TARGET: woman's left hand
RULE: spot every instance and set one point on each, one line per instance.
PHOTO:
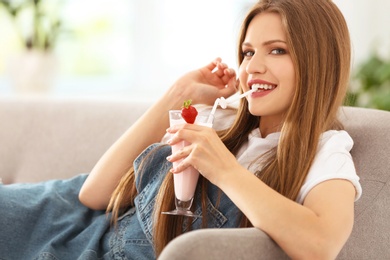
(206, 153)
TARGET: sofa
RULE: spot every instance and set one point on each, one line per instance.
(45, 138)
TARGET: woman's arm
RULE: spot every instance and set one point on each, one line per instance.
(202, 86)
(316, 230)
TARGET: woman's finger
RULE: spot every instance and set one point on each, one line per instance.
(180, 154)
(188, 132)
(192, 127)
(184, 164)
(221, 67)
(229, 76)
(212, 65)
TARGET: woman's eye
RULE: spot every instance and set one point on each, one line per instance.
(248, 53)
(278, 51)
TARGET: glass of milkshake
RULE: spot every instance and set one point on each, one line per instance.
(185, 182)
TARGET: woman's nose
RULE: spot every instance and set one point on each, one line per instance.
(256, 65)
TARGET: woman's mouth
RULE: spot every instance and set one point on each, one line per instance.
(263, 87)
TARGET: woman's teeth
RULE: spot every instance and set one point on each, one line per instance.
(262, 87)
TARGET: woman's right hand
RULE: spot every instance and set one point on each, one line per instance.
(208, 83)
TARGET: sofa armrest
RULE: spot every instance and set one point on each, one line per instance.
(232, 243)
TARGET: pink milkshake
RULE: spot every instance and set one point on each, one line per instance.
(185, 181)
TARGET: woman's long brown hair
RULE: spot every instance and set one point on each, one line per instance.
(319, 45)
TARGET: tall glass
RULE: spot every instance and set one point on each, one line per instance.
(185, 182)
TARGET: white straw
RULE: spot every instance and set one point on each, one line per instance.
(224, 102)
(211, 116)
(235, 98)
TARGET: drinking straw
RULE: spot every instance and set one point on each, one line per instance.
(222, 102)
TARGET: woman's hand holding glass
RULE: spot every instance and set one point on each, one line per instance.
(206, 153)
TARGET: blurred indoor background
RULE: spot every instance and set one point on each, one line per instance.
(137, 48)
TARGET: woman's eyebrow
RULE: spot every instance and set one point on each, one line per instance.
(248, 44)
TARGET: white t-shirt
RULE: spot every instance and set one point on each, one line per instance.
(333, 159)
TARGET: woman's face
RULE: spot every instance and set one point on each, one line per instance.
(267, 63)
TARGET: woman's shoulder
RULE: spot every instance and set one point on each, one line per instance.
(333, 161)
(335, 141)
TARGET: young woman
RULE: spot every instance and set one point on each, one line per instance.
(282, 165)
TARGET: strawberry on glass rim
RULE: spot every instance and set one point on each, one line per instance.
(188, 112)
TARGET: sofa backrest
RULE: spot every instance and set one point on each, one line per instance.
(56, 138)
(370, 130)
